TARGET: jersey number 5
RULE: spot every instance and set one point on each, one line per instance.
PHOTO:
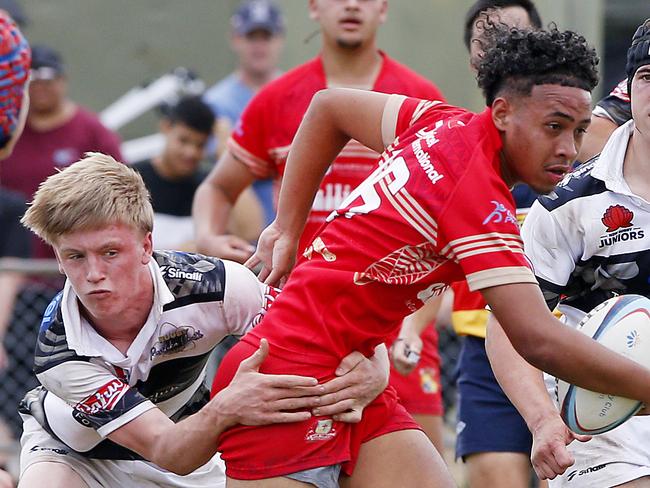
(398, 172)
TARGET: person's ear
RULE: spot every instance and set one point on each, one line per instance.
(501, 113)
(147, 248)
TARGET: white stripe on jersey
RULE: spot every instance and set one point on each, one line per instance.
(403, 203)
(477, 240)
(422, 107)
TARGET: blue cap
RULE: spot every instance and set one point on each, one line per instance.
(257, 15)
(47, 63)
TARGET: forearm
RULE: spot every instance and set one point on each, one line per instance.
(562, 351)
(521, 382)
(189, 444)
(418, 321)
(317, 143)
(210, 210)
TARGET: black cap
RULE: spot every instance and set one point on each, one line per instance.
(257, 15)
(639, 52)
(46, 63)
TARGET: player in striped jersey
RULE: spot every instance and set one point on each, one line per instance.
(121, 352)
(588, 240)
(436, 210)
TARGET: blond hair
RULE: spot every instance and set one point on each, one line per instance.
(93, 192)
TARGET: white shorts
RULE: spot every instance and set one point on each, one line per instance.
(618, 456)
(38, 446)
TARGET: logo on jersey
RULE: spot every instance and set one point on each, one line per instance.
(425, 162)
(103, 399)
(319, 247)
(590, 469)
(500, 214)
(432, 291)
(270, 294)
(322, 430)
(405, 266)
(330, 197)
(428, 381)
(200, 267)
(619, 228)
(178, 339)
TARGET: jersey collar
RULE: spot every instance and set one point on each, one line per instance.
(84, 339)
(609, 165)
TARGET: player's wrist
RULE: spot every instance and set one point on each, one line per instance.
(223, 416)
(540, 417)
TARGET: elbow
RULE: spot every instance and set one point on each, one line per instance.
(179, 465)
(536, 349)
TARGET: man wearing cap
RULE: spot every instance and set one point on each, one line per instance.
(258, 148)
(579, 263)
(58, 132)
(257, 39)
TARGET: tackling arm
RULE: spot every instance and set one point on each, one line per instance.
(251, 398)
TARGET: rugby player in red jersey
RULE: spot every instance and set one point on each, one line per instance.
(436, 210)
(258, 148)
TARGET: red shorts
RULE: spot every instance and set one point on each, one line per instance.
(266, 451)
(421, 391)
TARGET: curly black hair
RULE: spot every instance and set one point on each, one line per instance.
(518, 59)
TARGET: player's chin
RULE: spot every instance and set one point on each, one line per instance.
(543, 184)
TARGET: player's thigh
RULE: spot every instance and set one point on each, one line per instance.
(52, 475)
(502, 469)
(279, 482)
(405, 458)
(637, 483)
(432, 425)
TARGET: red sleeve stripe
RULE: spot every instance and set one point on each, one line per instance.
(257, 166)
(498, 239)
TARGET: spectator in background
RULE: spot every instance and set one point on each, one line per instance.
(58, 132)
(257, 39)
(174, 175)
(259, 146)
(15, 243)
(15, 59)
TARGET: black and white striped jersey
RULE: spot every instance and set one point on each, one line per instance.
(590, 238)
(90, 388)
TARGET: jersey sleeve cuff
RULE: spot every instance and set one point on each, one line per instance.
(389, 119)
(106, 429)
(258, 166)
(500, 276)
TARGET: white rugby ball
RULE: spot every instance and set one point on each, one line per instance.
(621, 324)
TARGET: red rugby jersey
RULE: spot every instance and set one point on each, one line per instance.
(435, 210)
(264, 134)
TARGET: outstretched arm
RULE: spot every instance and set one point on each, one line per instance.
(524, 386)
(562, 351)
(334, 117)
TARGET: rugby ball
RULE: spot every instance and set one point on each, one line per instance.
(621, 324)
